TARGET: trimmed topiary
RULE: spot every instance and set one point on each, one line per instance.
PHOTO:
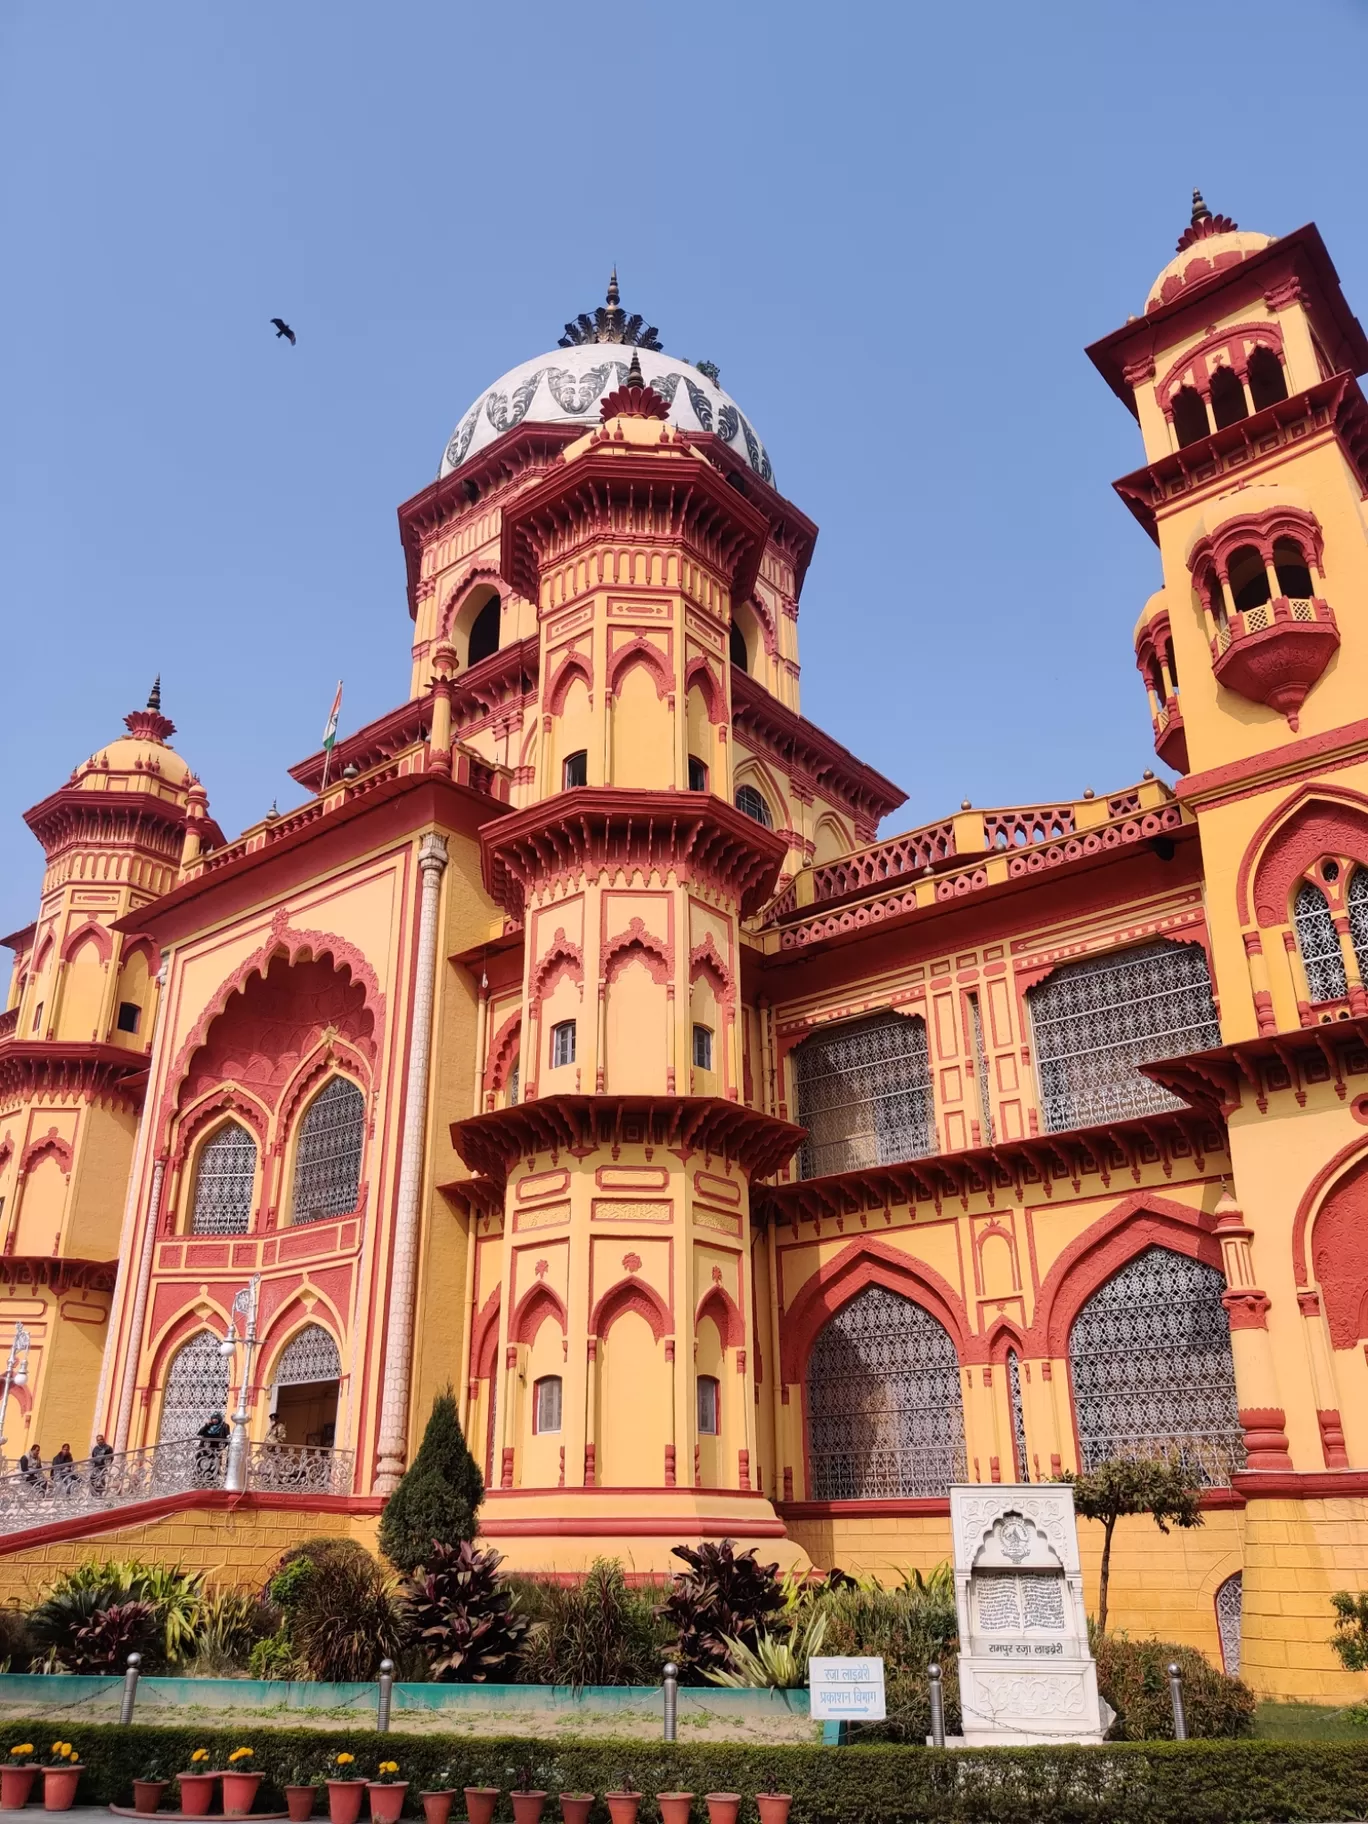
(1133, 1677)
(439, 1495)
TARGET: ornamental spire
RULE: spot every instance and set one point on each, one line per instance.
(610, 323)
(1203, 224)
(154, 695)
(635, 398)
(150, 724)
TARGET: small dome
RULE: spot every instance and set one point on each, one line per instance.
(1209, 244)
(568, 385)
(142, 750)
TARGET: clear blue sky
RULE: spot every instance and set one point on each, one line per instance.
(894, 227)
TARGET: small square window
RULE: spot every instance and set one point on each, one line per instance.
(562, 1044)
(698, 774)
(702, 1047)
(575, 771)
(130, 1016)
(546, 1404)
(709, 1406)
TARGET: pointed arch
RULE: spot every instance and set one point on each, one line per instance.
(1001, 1337)
(297, 1328)
(1314, 820)
(862, 1263)
(573, 665)
(91, 932)
(531, 1311)
(718, 1304)
(144, 947)
(477, 576)
(502, 1051)
(632, 1295)
(330, 1058)
(640, 651)
(192, 1376)
(635, 943)
(328, 1150)
(562, 958)
(706, 959)
(51, 1146)
(232, 1101)
(484, 1338)
(699, 671)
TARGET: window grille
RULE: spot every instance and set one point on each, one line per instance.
(864, 1095)
(981, 1065)
(562, 1044)
(513, 1083)
(327, 1179)
(311, 1356)
(1319, 943)
(1018, 1416)
(546, 1404)
(1095, 1021)
(196, 1388)
(702, 1047)
(1357, 899)
(885, 1414)
(753, 805)
(1229, 1621)
(709, 1406)
(224, 1178)
(1152, 1370)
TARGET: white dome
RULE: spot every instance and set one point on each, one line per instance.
(567, 386)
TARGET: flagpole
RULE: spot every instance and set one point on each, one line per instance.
(330, 737)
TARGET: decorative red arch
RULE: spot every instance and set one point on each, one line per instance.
(1344, 1162)
(1339, 1244)
(503, 1051)
(331, 1058)
(639, 651)
(699, 671)
(1000, 1336)
(705, 959)
(563, 958)
(141, 946)
(51, 1146)
(862, 1263)
(1139, 1221)
(228, 1103)
(91, 932)
(573, 665)
(718, 1304)
(631, 1295)
(1315, 820)
(1238, 341)
(532, 1310)
(294, 1317)
(174, 1338)
(460, 593)
(484, 1339)
(634, 944)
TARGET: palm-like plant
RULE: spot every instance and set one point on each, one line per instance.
(777, 1660)
(724, 1595)
(86, 1631)
(463, 1614)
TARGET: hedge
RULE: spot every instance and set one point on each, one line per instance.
(1124, 1782)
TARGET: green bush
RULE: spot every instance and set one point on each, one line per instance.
(724, 1595)
(1121, 1783)
(594, 1631)
(909, 1628)
(175, 1597)
(463, 1616)
(340, 1611)
(1350, 1638)
(1133, 1677)
(439, 1494)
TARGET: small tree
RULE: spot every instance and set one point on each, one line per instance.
(1350, 1638)
(439, 1495)
(1169, 1493)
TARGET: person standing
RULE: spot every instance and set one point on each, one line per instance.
(64, 1470)
(101, 1451)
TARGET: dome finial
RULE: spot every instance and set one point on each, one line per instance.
(635, 377)
(613, 299)
(1203, 224)
(154, 695)
(610, 323)
(1200, 212)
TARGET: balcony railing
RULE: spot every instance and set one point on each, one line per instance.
(1282, 609)
(189, 1466)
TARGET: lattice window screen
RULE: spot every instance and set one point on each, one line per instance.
(196, 1388)
(981, 1066)
(224, 1178)
(1318, 941)
(328, 1163)
(1357, 898)
(864, 1095)
(1152, 1370)
(310, 1356)
(1229, 1621)
(1023, 1468)
(885, 1414)
(1095, 1021)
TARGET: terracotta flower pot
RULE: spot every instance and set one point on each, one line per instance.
(386, 1799)
(299, 1802)
(239, 1792)
(436, 1806)
(196, 1793)
(527, 1807)
(344, 1800)
(623, 1806)
(723, 1807)
(774, 1806)
(674, 1807)
(147, 1794)
(480, 1803)
(16, 1783)
(576, 1806)
(59, 1786)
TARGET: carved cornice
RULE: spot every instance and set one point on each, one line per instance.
(92, 1073)
(60, 1275)
(1218, 1081)
(799, 746)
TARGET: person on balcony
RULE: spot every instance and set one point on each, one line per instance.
(64, 1471)
(214, 1435)
(277, 1434)
(100, 1453)
(31, 1467)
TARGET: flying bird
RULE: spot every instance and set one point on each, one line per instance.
(282, 328)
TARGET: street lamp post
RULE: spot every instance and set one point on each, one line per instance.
(16, 1375)
(244, 1306)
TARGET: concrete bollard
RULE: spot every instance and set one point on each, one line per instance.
(933, 1675)
(384, 1697)
(130, 1690)
(1175, 1675)
(671, 1700)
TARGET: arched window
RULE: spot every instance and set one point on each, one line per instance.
(1248, 578)
(885, 1413)
(196, 1388)
(1095, 1021)
(1318, 941)
(327, 1177)
(1023, 1471)
(1229, 1621)
(305, 1388)
(484, 632)
(698, 774)
(739, 656)
(307, 1358)
(864, 1095)
(1293, 571)
(1267, 381)
(546, 1403)
(753, 805)
(1152, 1370)
(709, 1406)
(1190, 421)
(1227, 397)
(224, 1177)
(1357, 902)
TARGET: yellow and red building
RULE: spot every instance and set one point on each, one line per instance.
(579, 1043)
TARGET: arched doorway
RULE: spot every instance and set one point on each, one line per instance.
(196, 1388)
(305, 1388)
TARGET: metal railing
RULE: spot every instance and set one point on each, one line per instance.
(67, 1491)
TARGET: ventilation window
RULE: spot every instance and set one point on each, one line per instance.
(698, 774)
(130, 1016)
(562, 1044)
(575, 771)
(702, 1047)
(484, 633)
(546, 1404)
(1190, 422)
(1267, 381)
(753, 805)
(739, 656)
(709, 1406)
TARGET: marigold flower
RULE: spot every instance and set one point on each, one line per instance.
(200, 1754)
(389, 1766)
(345, 1760)
(22, 1748)
(239, 1754)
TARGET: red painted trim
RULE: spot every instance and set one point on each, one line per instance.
(140, 1513)
(561, 1527)
(718, 1304)
(96, 932)
(1307, 752)
(536, 1305)
(1311, 1200)
(935, 1507)
(1300, 1485)
(1316, 820)
(631, 1295)
(863, 1263)
(484, 1342)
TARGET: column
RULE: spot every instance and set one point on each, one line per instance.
(393, 1445)
(1262, 1417)
(1328, 1420)
(139, 1316)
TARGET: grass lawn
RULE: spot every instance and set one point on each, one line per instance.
(1283, 1722)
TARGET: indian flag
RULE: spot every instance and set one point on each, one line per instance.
(330, 732)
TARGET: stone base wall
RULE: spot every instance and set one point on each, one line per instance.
(1296, 1554)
